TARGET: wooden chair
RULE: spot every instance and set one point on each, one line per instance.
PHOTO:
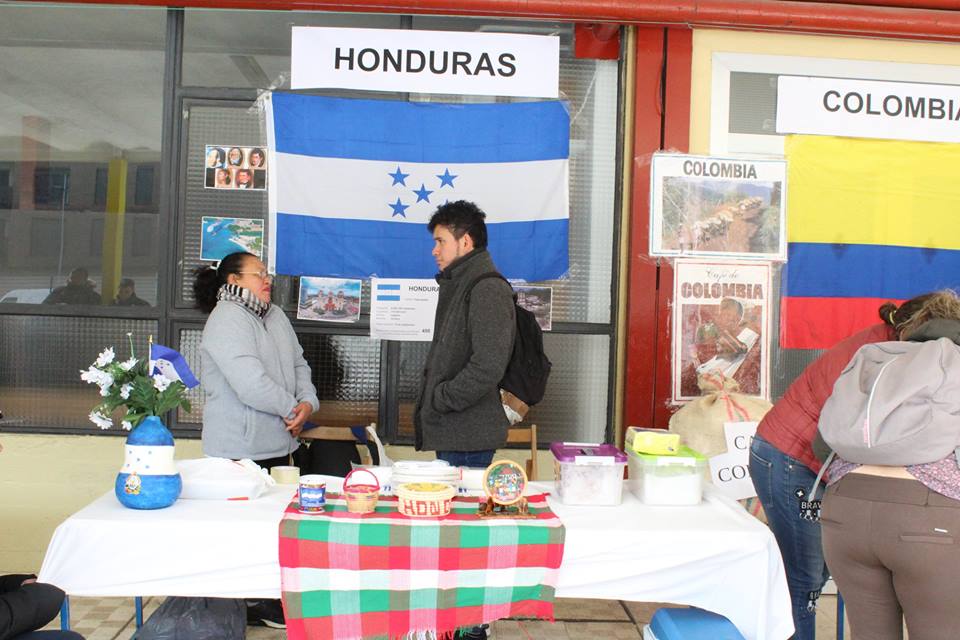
(339, 434)
(526, 435)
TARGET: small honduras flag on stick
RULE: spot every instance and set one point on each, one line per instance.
(172, 365)
(354, 182)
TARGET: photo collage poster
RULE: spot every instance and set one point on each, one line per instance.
(233, 167)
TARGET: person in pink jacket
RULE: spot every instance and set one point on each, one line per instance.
(783, 466)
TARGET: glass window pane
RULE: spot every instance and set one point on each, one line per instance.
(222, 47)
(576, 402)
(247, 49)
(238, 126)
(346, 373)
(80, 117)
(590, 88)
(40, 389)
(753, 103)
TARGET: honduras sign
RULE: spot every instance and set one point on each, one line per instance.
(497, 64)
(354, 182)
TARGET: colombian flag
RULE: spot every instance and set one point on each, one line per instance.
(868, 221)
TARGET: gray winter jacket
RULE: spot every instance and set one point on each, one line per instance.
(254, 374)
(459, 408)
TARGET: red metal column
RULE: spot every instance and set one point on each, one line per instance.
(676, 137)
(642, 271)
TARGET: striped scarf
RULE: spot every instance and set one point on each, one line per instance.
(245, 297)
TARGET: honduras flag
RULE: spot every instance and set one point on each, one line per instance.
(354, 182)
(172, 365)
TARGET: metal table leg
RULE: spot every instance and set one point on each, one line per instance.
(65, 614)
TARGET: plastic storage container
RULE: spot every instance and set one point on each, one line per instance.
(667, 480)
(690, 624)
(588, 474)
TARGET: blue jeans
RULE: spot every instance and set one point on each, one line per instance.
(783, 484)
(478, 459)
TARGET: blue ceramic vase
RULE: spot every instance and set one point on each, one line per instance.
(149, 478)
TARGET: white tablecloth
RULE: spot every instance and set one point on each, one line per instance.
(713, 555)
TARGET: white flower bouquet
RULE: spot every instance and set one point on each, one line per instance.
(132, 384)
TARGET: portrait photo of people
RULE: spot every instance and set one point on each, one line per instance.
(223, 179)
(258, 158)
(235, 157)
(243, 179)
(235, 167)
(216, 157)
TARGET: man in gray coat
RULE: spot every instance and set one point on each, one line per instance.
(459, 413)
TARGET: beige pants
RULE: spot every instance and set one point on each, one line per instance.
(893, 548)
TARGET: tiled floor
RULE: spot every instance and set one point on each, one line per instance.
(112, 618)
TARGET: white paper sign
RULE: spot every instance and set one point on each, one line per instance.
(868, 109)
(730, 471)
(403, 309)
(494, 64)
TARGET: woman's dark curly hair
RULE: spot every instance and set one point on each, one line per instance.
(208, 280)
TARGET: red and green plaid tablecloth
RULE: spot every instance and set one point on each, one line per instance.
(383, 575)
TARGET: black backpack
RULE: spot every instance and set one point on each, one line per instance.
(528, 369)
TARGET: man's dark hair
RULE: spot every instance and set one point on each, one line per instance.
(461, 217)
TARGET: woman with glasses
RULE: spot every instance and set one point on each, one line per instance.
(258, 386)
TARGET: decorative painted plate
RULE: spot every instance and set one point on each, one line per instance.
(504, 481)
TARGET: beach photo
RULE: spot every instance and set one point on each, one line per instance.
(220, 237)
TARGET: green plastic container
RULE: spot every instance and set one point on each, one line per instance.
(668, 479)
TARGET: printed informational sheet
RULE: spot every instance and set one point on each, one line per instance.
(402, 309)
(721, 207)
(329, 299)
(219, 237)
(538, 301)
(721, 325)
(730, 471)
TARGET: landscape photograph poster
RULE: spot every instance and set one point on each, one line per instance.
(718, 207)
(721, 325)
(329, 299)
(221, 236)
(538, 301)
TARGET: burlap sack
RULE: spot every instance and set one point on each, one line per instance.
(700, 421)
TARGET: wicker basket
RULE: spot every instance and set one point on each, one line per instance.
(361, 498)
(425, 499)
